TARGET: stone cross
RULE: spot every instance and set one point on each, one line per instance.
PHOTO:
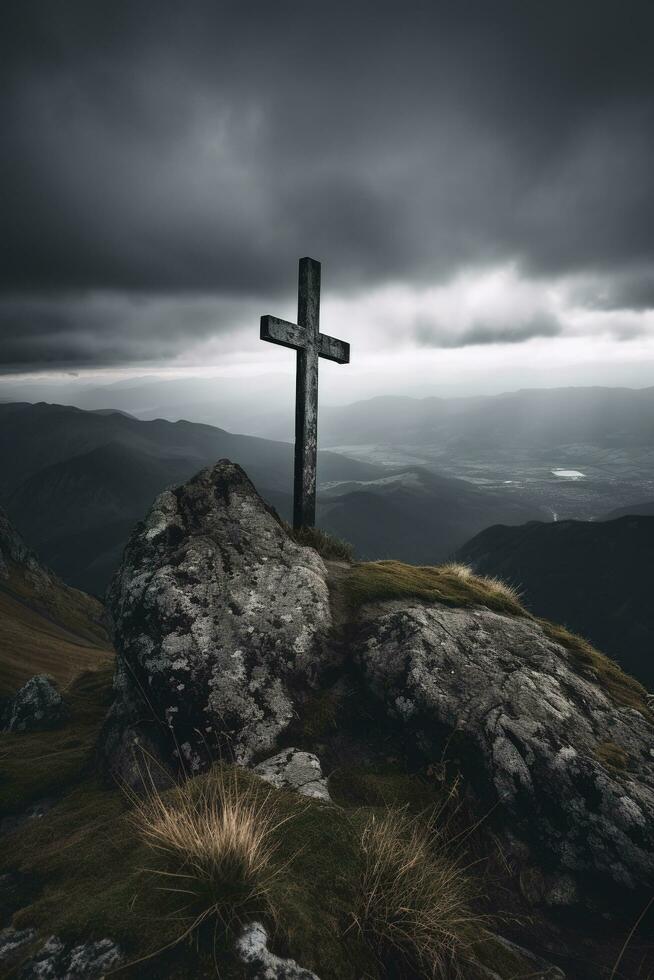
(305, 338)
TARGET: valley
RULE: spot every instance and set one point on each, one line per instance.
(611, 478)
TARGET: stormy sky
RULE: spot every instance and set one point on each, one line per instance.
(476, 178)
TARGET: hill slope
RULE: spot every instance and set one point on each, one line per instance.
(593, 577)
(45, 626)
(645, 509)
(415, 515)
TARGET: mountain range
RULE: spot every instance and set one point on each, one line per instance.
(75, 482)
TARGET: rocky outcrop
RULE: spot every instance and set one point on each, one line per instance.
(220, 622)
(14, 549)
(36, 707)
(223, 628)
(295, 770)
(261, 964)
(530, 729)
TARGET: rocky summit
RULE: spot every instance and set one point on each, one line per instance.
(219, 617)
(225, 628)
(300, 765)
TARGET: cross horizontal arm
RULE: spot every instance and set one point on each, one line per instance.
(282, 332)
(333, 349)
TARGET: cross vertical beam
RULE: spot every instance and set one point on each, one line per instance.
(305, 338)
(306, 396)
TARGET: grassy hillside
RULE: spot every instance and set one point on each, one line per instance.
(46, 627)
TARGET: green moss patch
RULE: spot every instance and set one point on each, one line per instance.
(379, 581)
(357, 787)
(98, 878)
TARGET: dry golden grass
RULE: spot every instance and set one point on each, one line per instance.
(415, 896)
(217, 841)
(453, 584)
(47, 629)
(495, 586)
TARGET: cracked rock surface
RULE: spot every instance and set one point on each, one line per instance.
(531, 723)
(218, 617)
(296, 770)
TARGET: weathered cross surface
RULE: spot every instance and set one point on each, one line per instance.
(305, 338)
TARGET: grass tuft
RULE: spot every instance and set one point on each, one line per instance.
(415, 897)
(327, 546)
(453, 584)
(216, 840)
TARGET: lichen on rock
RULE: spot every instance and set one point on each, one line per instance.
(218, 618)
(261, 963)
(37, 706)
(528, 723)
(295, 770)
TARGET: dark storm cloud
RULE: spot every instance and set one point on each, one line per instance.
(170, 148)
(437, 334)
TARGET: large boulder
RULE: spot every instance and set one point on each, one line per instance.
(567, 769)
(220, 622)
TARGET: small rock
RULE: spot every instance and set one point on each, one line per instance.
(87, 961)
(36, 707)
(252, 949)
(12, 940)
(296, 770)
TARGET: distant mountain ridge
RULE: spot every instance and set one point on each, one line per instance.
(593, 577)
(532, 418)
(76, 482)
